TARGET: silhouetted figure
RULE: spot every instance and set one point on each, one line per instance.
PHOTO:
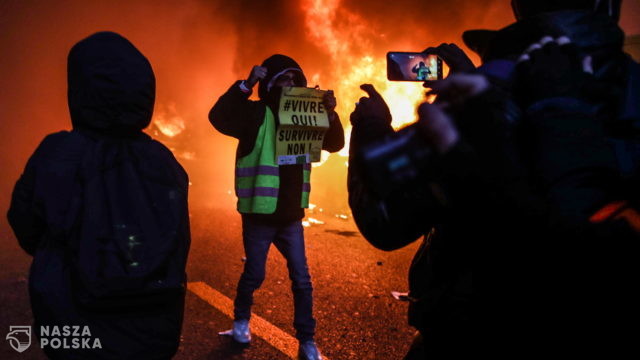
(532, 174)
(422, 71)
(103, 210)
(580, 139)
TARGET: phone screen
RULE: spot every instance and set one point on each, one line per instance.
(412, 66)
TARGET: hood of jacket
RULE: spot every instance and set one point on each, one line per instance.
(594, 34)
(277, 65)
(111, 85)
(525, 8)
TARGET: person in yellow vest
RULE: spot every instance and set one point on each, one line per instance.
(271, 197)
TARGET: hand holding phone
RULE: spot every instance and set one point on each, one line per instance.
(457, 88)
(413, 66)
(453, 56)
(372, 108)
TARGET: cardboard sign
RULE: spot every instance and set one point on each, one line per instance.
(303, 122)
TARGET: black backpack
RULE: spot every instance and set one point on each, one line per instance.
(130, 239)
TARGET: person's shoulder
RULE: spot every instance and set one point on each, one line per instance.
(160, 148)
(158, 152)
(152, 146)
(58, 150)
(58, 140)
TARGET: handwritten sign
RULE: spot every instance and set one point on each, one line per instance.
(303, 122)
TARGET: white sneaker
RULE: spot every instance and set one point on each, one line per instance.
(308, 350)
(241, 332)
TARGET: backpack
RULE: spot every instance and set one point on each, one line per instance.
(129, 243)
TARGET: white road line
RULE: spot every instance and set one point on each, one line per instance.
(279, 339)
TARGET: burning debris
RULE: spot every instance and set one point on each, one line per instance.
(187, 155)
(167, 121)
(400, 296)
(313, 208)
(312, 221)
(170, 128)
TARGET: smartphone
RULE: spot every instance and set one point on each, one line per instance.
(413, 66)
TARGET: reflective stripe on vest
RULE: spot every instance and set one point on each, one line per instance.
(306, 185)
(258, 175)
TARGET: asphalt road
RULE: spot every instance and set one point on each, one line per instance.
(357, 316)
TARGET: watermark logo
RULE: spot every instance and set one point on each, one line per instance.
(68, 337)
(19, 337)
(55, 337)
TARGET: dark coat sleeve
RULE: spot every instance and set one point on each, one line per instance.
(26, 216)
(334, 137)
(394, 221)
(390, 223)
(41, 196)
(455, 183)
(235, 115)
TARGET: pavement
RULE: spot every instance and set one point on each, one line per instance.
(357, 316)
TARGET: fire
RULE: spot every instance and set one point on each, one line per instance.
(350, 49)
(168, 121)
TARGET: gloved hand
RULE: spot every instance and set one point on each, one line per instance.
(257, 73)
(372, 108)
(329, 101)
(453, 56)
(457, 88)
(552, 68)
(437, 127)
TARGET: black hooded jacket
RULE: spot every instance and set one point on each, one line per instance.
(594, 34)
(554, 277)
(111, 86)
(578, 277)
(235, 115)
(111, 93)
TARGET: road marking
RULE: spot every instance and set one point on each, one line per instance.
(260, 327)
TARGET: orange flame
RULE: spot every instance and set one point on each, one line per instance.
(350, 49)
(168, 121)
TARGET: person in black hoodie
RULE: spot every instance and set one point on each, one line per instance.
(579, 139)
(271, 198)
(103, 210)
(531, 183)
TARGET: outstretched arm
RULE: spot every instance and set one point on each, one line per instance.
(234, 114)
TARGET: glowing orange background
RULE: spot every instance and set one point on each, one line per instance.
(198, 48)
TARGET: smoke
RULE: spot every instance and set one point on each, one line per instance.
(197, 49)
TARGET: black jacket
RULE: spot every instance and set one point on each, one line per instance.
(237, 116)
(542, 258)
(448, 206)
(111, 98)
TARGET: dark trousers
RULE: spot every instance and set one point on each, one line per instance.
(289, 240)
